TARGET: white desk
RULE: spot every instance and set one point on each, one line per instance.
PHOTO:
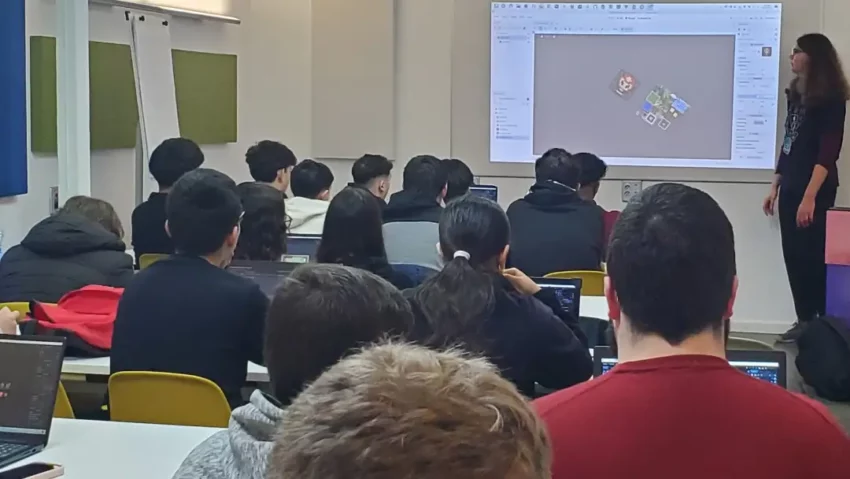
(109, 450)
(591, 306)
(100, 367)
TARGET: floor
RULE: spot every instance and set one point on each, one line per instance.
(841, 411)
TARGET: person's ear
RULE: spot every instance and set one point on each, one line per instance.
(503, 257)
(232, 238)
(730, 307)
(325, 195)
(613, 301)
(444, 191)
(167, 229)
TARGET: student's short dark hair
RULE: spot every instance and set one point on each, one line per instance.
(173, 158)
(322, 313)
(671, 261)
(459, 178)
(267, 158)
(310, 178)
(426, 175)
(593, 169)
(202, 208)
(558, 165)
(369, 167)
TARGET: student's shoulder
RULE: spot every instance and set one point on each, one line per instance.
(574, 399)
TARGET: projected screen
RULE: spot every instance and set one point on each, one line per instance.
(674, 85)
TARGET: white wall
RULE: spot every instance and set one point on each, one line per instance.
(273, 45)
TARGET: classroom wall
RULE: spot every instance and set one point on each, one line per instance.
(273, 45)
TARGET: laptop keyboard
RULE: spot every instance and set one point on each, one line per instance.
(7, 449)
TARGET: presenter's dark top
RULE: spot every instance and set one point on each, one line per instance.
(149, 235)
(184, 315)
(813, 136)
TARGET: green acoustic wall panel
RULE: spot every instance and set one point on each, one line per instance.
(205, 86)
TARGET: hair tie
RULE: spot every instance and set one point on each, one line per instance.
(461, 254)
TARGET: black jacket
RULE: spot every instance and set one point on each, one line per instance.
(553, 229)
(411, 229)
(381, 202)
(60, 254)
(380, 267)
(410, 206)
(149, 235)
(184, 315)
(530, 339)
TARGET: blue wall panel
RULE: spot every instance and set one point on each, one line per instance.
(13, 103)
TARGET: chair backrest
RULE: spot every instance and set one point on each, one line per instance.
(21, 307)
(148, 259)
(747, 344)
(592, 282)
(166, 398)
(416, 272)
(62, 408)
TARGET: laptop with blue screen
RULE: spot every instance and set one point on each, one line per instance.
(29, 379)
(768, 366)
(302, 245)
(485, 191)
(568, 292)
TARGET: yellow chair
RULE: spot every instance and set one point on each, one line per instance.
(592, 282)
(62, 408)
(21, 307)
(166, 398)
(146, 260)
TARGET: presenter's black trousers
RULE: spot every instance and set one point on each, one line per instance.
(804, 250)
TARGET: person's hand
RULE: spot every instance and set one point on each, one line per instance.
(520, 281)
(806, 212)
(769, 205)
(8, 321)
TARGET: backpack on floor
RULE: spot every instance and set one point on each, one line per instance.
(824, 359)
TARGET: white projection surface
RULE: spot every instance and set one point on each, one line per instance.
(660, 85)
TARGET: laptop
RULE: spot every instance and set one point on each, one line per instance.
(768, 366)
(267, 274)
(302, 245)
(490, 192)
(568, 292)
(29, 381)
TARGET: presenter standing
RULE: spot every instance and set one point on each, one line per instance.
(806, 177)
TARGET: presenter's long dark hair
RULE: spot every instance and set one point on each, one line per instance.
(823, 78)
(457, 300)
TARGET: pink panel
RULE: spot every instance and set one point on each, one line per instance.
(838, 237)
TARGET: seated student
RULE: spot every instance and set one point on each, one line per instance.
(320, 314)
(373, 172)
(459, 178)
(262, 235)
(401, 411)
(311, 190)
(553, 229)
(593, 170)
(186, 314)
(477, 304)
(674, 407)
(271, 163)
(79, 246)
(411, 217)
(353, 236)
(169, 161)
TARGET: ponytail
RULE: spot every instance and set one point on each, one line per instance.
(455, 302)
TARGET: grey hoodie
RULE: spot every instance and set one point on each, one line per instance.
(242, 451)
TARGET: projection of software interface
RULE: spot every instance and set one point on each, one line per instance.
(663, 85)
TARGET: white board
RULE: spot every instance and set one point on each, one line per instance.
(155, 93)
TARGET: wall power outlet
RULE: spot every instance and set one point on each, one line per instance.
(630, 189)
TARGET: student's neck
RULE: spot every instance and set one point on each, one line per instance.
(164, 190)
(218, 259)
(277, 186)
(644, 347)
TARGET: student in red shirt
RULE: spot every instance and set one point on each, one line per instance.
(673, 407)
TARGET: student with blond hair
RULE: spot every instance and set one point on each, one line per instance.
(399, 411)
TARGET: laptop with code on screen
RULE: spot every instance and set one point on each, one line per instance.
(568, 292)
(29, 379)
(267, 274)
(768, 366)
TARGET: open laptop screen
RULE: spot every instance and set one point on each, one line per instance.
(768, 366)
(267, 274)
(29, 379)
(485, 191)
(568, 292)
(302, 245)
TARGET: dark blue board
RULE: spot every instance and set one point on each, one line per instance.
(13, 101)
